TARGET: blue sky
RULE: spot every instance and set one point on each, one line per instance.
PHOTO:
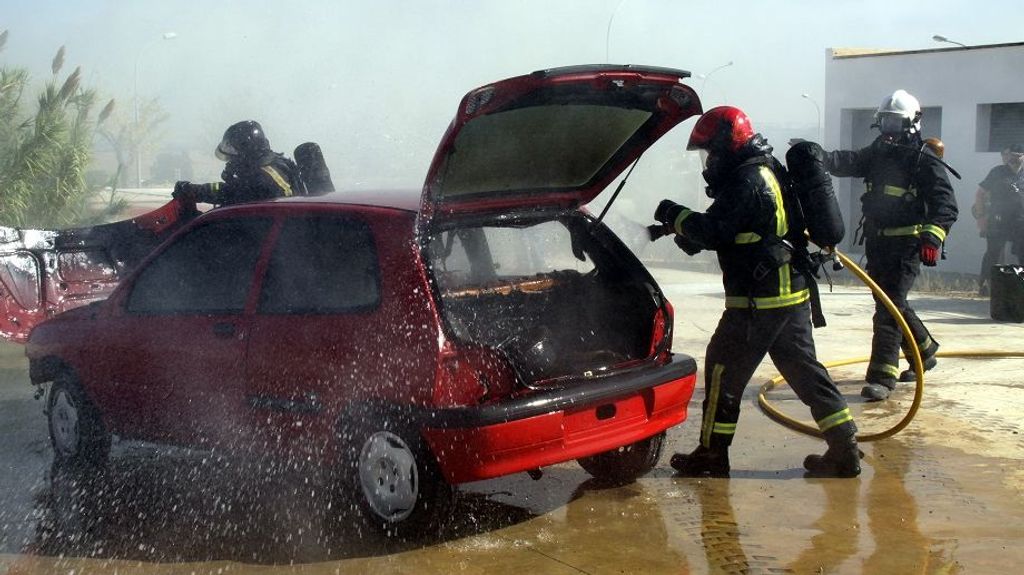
(376, 82)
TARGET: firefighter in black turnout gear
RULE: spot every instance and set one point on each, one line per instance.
(909, 207)
(253, 171)
(767, 310)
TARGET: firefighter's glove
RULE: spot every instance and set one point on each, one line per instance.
(688, 246)
(667, 212)
(658, 231)
(930, 248)
(186, 192)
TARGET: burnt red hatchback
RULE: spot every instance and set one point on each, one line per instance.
(410, 342)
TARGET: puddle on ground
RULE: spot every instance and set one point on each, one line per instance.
(918, 507)
(943, 496)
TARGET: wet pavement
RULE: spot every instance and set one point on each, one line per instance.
(942, 496)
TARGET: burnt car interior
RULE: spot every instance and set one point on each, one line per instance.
(552, 294)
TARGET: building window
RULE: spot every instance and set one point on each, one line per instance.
(1000, 125)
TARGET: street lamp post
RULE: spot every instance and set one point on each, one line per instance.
(704, 77)
(939, 38)
(608, 32)
(135, 104)
(817, 108)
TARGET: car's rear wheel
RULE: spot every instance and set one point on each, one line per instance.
(627, 463)
(394, 478)
(77, 433)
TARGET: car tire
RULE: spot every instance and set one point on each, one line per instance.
(627, 463)
(77, 433)
(392, 478)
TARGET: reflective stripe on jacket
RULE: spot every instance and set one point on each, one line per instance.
(907, 191)
(745, 225)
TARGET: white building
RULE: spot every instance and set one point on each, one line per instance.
(972, 98)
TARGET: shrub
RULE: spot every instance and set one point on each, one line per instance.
(45, 151)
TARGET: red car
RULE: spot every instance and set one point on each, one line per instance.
(487, 326)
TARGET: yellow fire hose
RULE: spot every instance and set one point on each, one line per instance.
(915, 353)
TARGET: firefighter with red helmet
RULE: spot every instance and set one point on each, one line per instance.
(767, 308)
(909, 207)
(252, 171)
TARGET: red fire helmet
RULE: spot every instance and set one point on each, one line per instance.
(721, 129)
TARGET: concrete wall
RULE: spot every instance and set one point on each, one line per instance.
(954, 80)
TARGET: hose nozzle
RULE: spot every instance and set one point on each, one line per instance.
(658, 231)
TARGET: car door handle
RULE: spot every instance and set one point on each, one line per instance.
(223, 329)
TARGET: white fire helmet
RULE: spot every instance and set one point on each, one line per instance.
(899, 113)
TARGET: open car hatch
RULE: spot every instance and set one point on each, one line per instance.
(553, 138)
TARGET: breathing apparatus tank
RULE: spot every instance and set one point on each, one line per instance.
(313, 169)
(805, 162)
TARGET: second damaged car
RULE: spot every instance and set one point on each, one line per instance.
(409, 342)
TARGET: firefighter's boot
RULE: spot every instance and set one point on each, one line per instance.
(878, 387)
(908, 375)
(842, 459)
(702, 462)
(928, 350)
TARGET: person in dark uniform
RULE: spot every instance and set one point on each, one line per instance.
(767, 308)
(253, 171)
(908, 208)
(999, 206)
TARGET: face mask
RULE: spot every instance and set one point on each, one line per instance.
(891, 124)
(711, 174)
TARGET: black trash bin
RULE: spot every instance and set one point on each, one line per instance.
(1007, 297)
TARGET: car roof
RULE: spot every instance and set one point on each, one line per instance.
(406, 200)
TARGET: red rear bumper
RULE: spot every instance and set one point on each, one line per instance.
(474, 453)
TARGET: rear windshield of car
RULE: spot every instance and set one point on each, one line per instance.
(474, 256)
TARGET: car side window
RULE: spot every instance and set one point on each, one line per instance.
(208, 270)
(322, 264)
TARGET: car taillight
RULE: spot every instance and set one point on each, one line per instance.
(661, 332)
